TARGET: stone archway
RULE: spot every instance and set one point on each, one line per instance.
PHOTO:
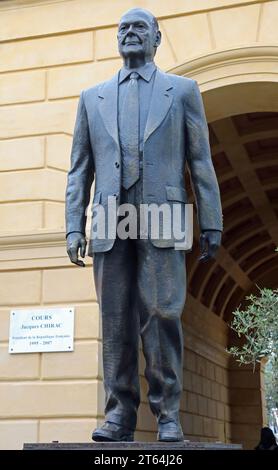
(239, 89)
(241, 102)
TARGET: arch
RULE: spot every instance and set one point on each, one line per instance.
(241, 70)
(235, 84)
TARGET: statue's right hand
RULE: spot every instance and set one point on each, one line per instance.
(75, 242)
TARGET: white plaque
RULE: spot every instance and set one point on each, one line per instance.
(41, 330)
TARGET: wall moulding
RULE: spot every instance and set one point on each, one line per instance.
(33, 250)
(235, 81)
(232, 65)
(10, 240)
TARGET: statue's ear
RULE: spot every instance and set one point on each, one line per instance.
(157, 39)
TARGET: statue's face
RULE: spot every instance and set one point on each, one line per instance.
(137, 35)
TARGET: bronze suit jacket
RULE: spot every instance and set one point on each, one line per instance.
(176, 138)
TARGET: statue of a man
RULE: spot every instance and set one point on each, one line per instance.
(135, 134)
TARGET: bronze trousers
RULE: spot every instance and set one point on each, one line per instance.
(141, 291)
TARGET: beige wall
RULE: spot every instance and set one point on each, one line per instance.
(49, 51)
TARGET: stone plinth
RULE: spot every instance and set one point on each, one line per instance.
(137, 446)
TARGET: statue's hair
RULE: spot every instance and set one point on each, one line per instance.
(153, 18)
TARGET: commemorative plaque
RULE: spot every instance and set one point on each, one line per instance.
(41, 330)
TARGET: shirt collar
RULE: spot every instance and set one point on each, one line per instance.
(145, 72)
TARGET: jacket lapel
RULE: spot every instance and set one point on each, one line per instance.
(108, 107)
(161, 102)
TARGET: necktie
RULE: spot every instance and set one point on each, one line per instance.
(130, 133)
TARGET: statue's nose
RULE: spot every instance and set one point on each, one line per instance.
(130, 30)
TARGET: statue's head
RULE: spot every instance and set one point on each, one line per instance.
(138, 34)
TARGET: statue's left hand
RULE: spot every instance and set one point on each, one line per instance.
(210, 241)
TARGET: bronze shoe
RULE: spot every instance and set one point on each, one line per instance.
(170, 431)
(112, 432)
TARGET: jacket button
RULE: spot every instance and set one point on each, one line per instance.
(117, 165)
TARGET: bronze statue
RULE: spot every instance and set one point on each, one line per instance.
(135, 135)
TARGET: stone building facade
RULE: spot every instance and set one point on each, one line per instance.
(49, 51)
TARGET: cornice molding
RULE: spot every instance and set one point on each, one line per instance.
(189, 9)
(13, 4)
(11, 241)
(218, 58)
(38, 250)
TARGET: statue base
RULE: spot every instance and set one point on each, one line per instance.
(136, 445)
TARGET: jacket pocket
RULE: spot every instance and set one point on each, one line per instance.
(176, 194)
